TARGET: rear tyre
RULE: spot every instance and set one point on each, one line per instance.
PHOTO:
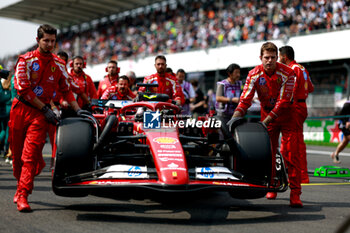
(252, 158)
(73, 154)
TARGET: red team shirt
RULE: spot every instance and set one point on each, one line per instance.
(112, 93)
(303, 84)
(275, 92)
(31, 80)
(106, 83)
(86, 86)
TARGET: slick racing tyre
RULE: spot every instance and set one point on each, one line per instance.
(73, 154)
(253, 157)
(254, 151)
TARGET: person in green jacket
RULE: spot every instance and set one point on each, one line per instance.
(6, 97)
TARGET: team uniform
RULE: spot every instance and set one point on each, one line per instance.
(105, 83)
(37, 75)
(86, 86)
(166, 85)
(112, 93)
(303, 86)
(275, 93)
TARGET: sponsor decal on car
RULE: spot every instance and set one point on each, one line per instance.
(135, 171)
(104, 182)
(214, 173)
(170, 155)
(173, 166)
(167, 146)
(125, 171)
(165, 140)
(207, 172)
(166, 159)
(169, 151)
(230, 184)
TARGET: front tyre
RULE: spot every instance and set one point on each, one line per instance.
(74, 143)
(252, 158)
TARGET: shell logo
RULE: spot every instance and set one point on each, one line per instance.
(165, 140)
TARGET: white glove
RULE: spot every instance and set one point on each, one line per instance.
(57, 112)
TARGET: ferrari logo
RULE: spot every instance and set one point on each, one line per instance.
(279, 80)
(174, 174)
(53, 68)
(167, 83)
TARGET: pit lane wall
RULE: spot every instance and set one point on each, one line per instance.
(322, 131)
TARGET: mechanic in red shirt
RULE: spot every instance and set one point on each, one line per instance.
(37, 75)
(167, 83)
(119, 91)
(113, 74)
(274, 83)
(84, 81)
(303, 86)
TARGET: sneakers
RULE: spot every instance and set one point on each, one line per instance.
(295, 201)
(271, 195)
(22, 202)
(335, 158)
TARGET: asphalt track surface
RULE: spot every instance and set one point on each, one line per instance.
(326, 208)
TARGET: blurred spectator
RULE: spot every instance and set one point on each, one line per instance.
(198, 106)
(188, 91)
(211, 100)
(191, 24)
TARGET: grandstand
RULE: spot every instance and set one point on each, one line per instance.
(202, 37)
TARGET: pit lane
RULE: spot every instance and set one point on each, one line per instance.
(326, 208)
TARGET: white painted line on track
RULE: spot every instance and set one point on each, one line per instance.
(326, 152)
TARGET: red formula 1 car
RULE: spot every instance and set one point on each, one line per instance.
(146, 146)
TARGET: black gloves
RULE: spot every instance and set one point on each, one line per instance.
(263, 124)
(50, 115)
(234, 122)
(83, 113)
(87, 107)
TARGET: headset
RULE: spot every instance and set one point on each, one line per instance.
(75, 57)
(114, 62)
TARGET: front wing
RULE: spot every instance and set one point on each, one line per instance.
(137, 177)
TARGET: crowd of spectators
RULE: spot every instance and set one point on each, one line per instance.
(185, 25)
